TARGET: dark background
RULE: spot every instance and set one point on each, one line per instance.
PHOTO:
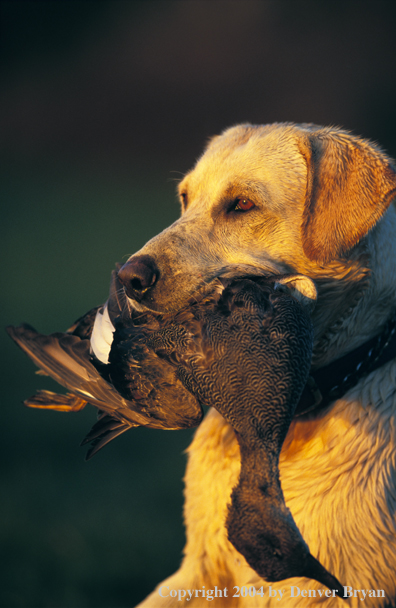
(103, 106)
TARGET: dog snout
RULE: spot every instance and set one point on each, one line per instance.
(138, 275)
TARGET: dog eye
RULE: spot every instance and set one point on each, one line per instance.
(243, 204)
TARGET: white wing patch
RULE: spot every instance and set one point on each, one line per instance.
(102, 335)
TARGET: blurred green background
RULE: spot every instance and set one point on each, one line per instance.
(103, 106)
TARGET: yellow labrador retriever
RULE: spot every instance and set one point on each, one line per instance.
(315, 201)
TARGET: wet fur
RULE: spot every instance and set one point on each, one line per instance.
(322, 208)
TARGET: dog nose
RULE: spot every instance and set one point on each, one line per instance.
(138, 275)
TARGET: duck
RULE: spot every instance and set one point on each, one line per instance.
(243, 346)
(136, 387)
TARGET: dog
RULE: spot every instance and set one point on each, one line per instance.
(317, 201)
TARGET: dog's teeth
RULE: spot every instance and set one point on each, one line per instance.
(102, 335)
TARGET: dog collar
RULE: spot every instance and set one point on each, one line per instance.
(331, 382)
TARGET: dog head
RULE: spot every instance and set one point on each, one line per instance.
(279, 198)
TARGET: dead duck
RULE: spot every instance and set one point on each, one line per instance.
(260, 340)
(244, 348)
(146, 390)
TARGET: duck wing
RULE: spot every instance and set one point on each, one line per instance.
(103, 431)
(66, 358)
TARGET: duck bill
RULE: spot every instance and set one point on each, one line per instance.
(314, 569)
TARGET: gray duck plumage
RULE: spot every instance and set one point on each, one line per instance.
(244, 348)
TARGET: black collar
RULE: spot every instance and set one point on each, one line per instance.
(332, 381)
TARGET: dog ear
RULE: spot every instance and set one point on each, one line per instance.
(300, 287)
(350, 185)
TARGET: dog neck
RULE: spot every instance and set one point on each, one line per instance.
(361, 292)
(331, 382)
(363, 336)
